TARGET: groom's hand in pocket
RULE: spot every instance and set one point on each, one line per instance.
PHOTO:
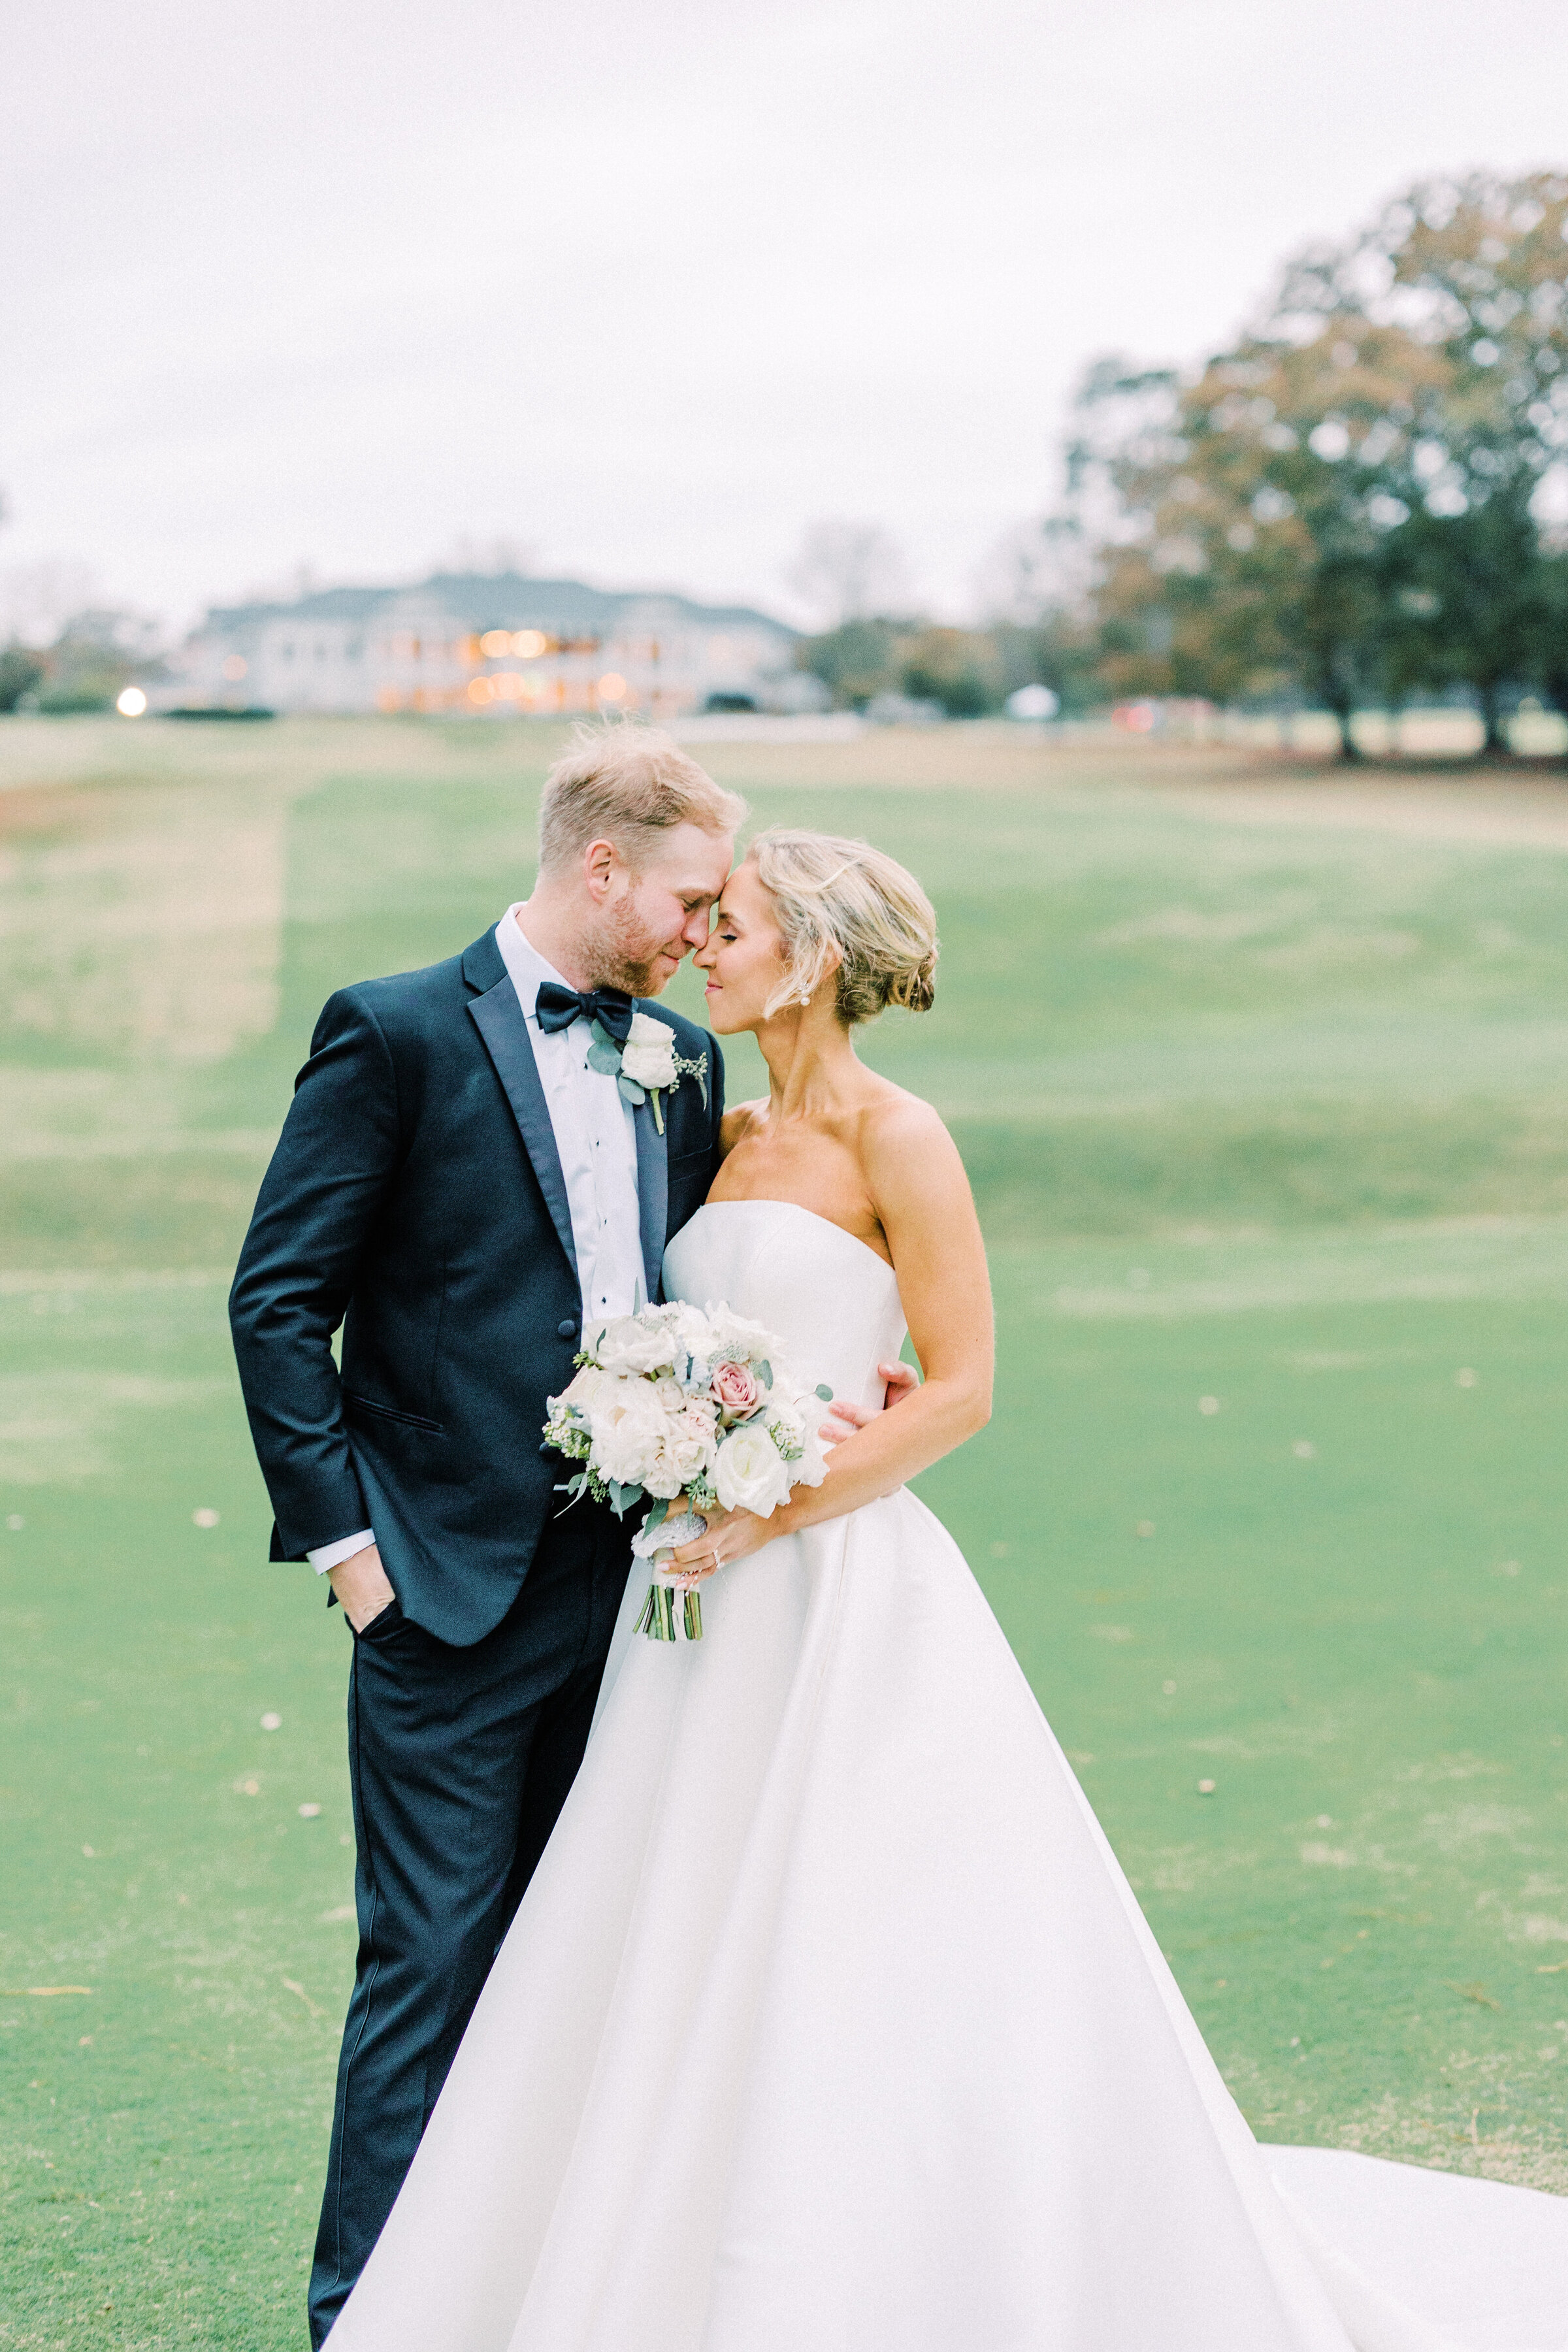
(845, 1418)
(362, 1587)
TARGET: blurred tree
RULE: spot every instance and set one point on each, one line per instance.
(855, 661)
(1060, 649)
(1476, 270)
(95, 654)
(1043, 627)
(20, 671)
(1467, 603)
(1550, 663)
(1251, 509)
(959, 668)
(1344, 506)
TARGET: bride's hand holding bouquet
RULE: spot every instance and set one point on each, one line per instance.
(697, 1409)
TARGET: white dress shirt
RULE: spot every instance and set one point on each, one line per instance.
(596, 1139)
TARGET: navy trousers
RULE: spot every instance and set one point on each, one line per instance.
(460, 1761)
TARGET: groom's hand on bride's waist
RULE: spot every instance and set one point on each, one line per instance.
(845, 1418)
(362, 1587)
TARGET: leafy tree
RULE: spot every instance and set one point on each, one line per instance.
(95, 654)
(1252, 505)
(855, 661)
(1475, 270)
(1344, 505)
(1059, 650)
(1466, 592)
(959, 668)
(20, 670)
(1550, 666)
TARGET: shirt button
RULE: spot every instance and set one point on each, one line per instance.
(567, 1327)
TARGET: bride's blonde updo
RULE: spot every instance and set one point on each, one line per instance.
(829, 893)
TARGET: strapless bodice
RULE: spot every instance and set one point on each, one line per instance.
(832, 1300)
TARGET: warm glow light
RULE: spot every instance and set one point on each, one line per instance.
(506, 683)
(480, 689)
(529, 644)
(494, 642)
(611, 687)
(235, 666)
(131, 703)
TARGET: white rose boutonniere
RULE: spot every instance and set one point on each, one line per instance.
(647, 1064)
(647, 1057)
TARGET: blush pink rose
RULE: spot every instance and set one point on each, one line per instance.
(735, 1389)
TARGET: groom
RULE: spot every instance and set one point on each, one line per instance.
(460, 1188)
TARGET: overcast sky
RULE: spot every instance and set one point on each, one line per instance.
(645, 286)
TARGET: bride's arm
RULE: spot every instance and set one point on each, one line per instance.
(921, 1195)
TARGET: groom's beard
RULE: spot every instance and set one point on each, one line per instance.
(622, 954)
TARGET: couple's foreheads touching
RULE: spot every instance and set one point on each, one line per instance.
(637, 871)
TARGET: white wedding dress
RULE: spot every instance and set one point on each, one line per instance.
(830, 2022)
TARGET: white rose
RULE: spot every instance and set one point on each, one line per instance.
(630, 1345)
(797, 1423)
(627, 1429)
(783, 1413)
(751, 1475)
(580, 1390)
(689, 1444)
(647, 1057)
(664, 1478)
(733, 1338)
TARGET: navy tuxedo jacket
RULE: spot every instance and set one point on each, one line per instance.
(416, 1197)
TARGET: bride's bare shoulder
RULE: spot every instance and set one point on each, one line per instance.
(738, 1123)
(900, 1132)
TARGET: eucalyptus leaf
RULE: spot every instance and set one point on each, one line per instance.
(657, 1516)
(765, 1372)
(630, 1090)
(622, 1498)
(825, 1392)
(604, 1055)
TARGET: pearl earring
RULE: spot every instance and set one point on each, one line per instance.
(805, 1000)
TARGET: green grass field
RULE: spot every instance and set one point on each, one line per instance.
(1264, 1090)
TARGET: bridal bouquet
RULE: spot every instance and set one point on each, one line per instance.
(686, 1404)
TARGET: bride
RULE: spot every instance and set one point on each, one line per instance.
(828, 2022)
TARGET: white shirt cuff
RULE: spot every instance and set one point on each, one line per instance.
(328, 1555)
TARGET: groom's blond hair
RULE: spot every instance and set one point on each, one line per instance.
(627, 783)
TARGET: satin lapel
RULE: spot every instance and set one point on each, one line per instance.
(499, 1017)
(653, 1187)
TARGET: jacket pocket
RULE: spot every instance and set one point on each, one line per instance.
(392, 1412)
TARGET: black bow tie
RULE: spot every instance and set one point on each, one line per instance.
(558, 1007)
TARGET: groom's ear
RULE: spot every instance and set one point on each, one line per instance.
(600, 860)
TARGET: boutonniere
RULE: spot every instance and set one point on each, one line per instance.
(647, 1064)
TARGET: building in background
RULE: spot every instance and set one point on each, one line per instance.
(495, 645)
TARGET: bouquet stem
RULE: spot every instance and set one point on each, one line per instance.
(657, 1616)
